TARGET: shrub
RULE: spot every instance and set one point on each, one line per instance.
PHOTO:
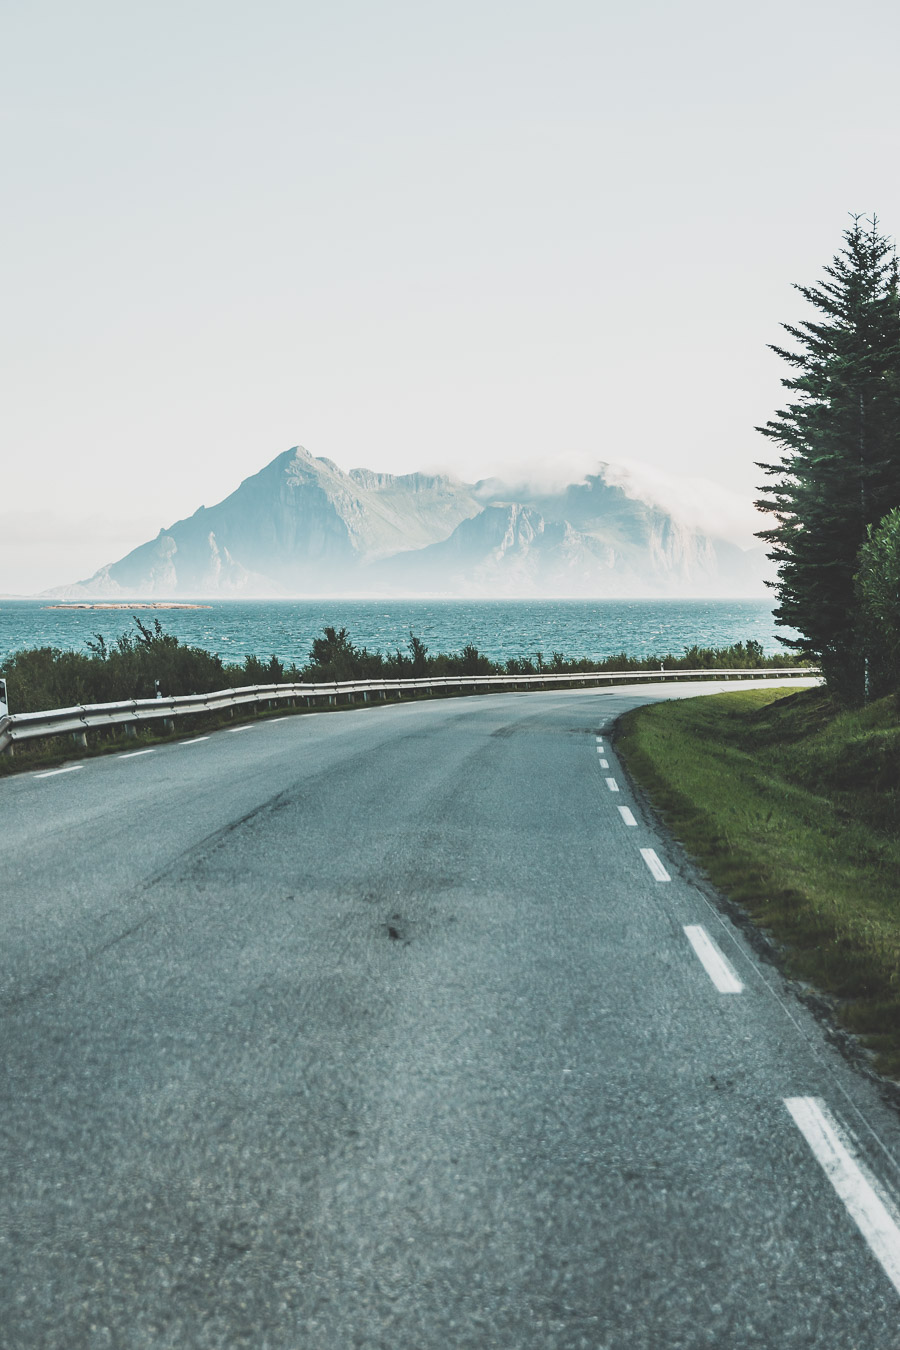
(878, 594)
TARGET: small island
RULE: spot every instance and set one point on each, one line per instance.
(134, 604)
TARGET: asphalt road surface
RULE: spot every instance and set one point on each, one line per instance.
(406, 1028)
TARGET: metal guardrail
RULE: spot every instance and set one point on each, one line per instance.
(19, 727)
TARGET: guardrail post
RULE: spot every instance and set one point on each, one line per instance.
(130, 730)
(169, 725)
(80, 738)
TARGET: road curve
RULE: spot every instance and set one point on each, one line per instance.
(405, 1028)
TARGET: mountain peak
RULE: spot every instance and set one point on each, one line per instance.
(304, 526)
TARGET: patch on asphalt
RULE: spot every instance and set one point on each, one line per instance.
(395, 929)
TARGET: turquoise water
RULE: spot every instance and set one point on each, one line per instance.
(499, 628)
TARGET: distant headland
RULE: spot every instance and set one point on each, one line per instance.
(303, 527)
(156, 604)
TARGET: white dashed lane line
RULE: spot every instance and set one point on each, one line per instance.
(868, 1205)
(233, 731)
(714, 963)
(196, 740)
(133, 754)
(653, 862)
(51, 773)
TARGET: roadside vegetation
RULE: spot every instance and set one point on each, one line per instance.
(148, 660)
(792, 806)
(834, 487)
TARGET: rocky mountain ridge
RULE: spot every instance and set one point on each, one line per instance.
(302, 526)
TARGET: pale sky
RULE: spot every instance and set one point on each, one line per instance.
(407, 235)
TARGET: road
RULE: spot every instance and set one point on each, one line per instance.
(390, 1028)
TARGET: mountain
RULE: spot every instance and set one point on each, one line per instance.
(299, 526)
(302, 526)
(593, 541)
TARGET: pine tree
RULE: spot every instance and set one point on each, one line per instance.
(878, 598)
(840, 468)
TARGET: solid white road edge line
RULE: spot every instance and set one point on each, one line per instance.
(50, 773)
(719, 970)
(133, 754)
(866, 1202)
(653, 862)
(627, 815)
(612, 785)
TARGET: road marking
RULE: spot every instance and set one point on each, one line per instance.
(132, 754)
(197, 740)
(612, 785)
(604, 764)
(714, 963)
(627, 816)
(287, 718)
(656, 867)
(233, 731)
(50, 773)
(869, 1207)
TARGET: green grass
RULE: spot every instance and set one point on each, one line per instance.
(793, 809)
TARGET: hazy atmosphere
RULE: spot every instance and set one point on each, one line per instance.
(450, 833)
(512, 238)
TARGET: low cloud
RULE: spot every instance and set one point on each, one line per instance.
(697, 501)
(709, 506)
(546, 475)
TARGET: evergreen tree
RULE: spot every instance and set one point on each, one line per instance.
(839, 471)
(878, 596)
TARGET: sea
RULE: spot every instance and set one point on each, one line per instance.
(498, 628)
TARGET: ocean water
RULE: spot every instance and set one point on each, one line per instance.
(499, 628)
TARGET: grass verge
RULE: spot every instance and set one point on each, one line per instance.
(793, 809)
